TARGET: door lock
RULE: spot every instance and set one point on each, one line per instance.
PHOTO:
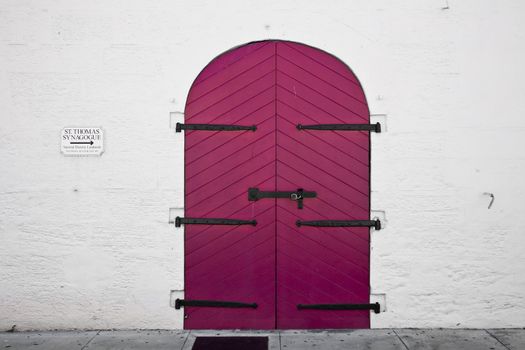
(255, 194)
(295, 196)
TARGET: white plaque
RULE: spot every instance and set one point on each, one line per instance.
(82, 141)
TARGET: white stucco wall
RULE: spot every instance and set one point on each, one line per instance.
(85, 243)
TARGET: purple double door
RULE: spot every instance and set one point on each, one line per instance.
(271, 272)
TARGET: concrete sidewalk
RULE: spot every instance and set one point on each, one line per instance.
(403, 339)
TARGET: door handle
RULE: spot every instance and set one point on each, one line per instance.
(254, 194)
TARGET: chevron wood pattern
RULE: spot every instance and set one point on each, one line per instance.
(276, 85)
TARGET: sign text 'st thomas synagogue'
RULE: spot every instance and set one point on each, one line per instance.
(82, 141)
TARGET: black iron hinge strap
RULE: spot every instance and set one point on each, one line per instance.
(255, 194)
(348, 127)
(341, 223)
(213, 303)
(212, 221)
(213, 127)
(374, 307)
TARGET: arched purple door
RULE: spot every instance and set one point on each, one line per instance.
(277, 192)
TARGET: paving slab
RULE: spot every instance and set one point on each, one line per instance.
(273, 336)
(45, 340)
(387, 339)
(513, 339)
(380, 339)
(139, 340)
(448, 339)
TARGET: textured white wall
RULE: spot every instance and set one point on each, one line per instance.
(84, 242)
